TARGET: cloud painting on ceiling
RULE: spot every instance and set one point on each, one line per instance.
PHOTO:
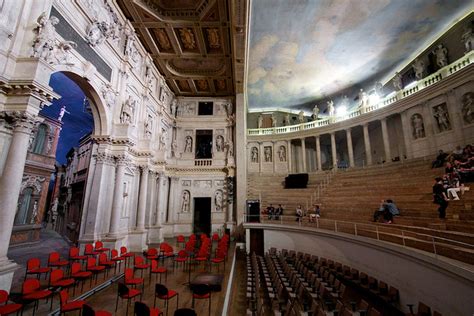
(305, 50)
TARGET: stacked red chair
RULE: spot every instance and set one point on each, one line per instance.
(104, 261)
(8, 308)
(33, 266)
(140, 264)
(75, 256)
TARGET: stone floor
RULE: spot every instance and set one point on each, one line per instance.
(106, 299)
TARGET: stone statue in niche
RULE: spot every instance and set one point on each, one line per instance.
(218, 200)
(230, 148)
(274, 120)
(267, 151)
(468, 107)
(188, 144)
(148, 126)
(260, 121)
(419, 68)
(185, 199)
(287, 120)
(128, 108)
(315, 112)
(397, 81)
(34, 212)
(441, 54)
(418, 126)
(174, 149)
(467, 39)
(282, 153)
(163, 136)
(219, 143)
(174, 106)
(441, 115)
(331, 110)
(44, 41)
(108, 94)
(254, 154)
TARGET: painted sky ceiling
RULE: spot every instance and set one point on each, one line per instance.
(302, 51)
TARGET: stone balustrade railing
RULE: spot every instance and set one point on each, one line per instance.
(202, 162)
(389, 99)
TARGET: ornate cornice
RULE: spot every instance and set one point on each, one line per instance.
(24, 87)
(19, 121)
(113, 141)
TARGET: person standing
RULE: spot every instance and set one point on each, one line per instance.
(278, 211)
(439, 197)
(299, 213)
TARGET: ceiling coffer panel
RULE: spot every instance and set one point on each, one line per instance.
(189, 42)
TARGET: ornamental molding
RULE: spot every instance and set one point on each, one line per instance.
(32, 181)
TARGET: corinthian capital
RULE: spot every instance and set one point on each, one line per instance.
(19, 121)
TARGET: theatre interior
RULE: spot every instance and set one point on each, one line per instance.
(237, 157)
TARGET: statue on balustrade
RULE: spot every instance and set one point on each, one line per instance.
(378, 89)
(219, 143)
(315, 112)
(268, 153)
(468, 39)
(442, 118)
(185, 201)
(274, 120)
(397, 81)
(363, 101)
(282, 153)
(254, 154)
(287, 120)
(260, 121)
(188, 144)
(468, 107)
(418, 126)
(419, 68)
(301, 117)
(441, 54)
(331, 109)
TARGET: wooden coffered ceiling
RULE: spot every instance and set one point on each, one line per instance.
(192, 42)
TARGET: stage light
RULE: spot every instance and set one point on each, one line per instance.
(341, 110)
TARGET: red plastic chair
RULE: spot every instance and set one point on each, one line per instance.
(215, 237)
(114, 256)
(103, 261)
(99, 247)
(163, 293)
(130, 279)
(182, 257)
(33, 266)
(66, 306)
(218, 259)
(152, 254)
(89, 311)
(155, 269)
(89, 250)
(5, 308)
(125, 293)
(95, 269)
(79, 275)
(57, 279)
(139, 264)
(125, 254)
(54, 260)
(180, 240)
(31, 291)
(141, 309)
(75, 256)
(202, 291)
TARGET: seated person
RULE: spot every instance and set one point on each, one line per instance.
(388, 210)
(278, 211)
(450, 188)
(440, 159)
(299, 213)
(316, 213)
(270, 211)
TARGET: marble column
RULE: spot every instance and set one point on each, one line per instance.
(261, 156)
(368, 150)
(406, 129)
(303, 154)
(350, 149)
(171, 201)
(386, 140)
(289, 156)
(318, 153)
(333, 149)
(151, 205)
(117, 203)
(240, 155)
(142, 199)
(162, 198)
(10, 182)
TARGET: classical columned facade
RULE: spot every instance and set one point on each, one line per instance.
(406, 128)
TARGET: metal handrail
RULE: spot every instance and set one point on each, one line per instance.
(338, 226)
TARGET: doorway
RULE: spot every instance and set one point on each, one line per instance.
(203, 144)
(202, 215)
